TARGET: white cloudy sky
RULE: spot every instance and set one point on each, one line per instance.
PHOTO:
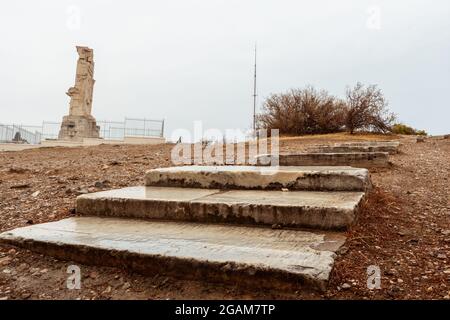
(186, 60)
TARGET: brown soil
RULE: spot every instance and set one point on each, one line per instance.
(404, 227)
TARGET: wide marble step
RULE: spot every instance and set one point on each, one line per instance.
(354, 159)
(325, 210)
(253, 257)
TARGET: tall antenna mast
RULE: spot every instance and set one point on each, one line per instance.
(254, 97)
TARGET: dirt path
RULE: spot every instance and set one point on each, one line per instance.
(404, 229)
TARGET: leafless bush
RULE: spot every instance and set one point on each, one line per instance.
(366, 109)
(303, 111)
(309, 111)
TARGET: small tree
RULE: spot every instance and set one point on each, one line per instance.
(366, 109)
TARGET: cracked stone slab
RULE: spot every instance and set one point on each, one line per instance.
(355, 159)
(325, 210)
(254, 257)
(312, 178)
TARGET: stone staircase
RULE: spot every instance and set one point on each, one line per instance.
(262, 227)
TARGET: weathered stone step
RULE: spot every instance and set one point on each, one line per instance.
(355, 159)
(326, 210)
(347, 148)
(254, 177)
(253, 257)
(394, 143)
(372, 143)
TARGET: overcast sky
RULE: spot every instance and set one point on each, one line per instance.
(193, 60)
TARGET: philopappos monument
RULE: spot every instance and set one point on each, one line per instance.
(80, 123)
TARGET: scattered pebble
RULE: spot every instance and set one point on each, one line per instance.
(346, 286)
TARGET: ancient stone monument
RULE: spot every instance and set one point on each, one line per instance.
(80, 123)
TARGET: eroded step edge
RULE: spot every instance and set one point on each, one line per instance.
(309, 178)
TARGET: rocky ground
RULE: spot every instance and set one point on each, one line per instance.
(404, 227)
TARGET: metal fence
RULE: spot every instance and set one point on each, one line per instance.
(109, 130)
(131, 127)
(50, 130)
(20, 134)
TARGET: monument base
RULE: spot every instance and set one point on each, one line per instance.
(76, 128)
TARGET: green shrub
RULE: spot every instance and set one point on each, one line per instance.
(400, 128)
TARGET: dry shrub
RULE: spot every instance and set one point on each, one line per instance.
(309, 111)
(303, 111)
(366, 109)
